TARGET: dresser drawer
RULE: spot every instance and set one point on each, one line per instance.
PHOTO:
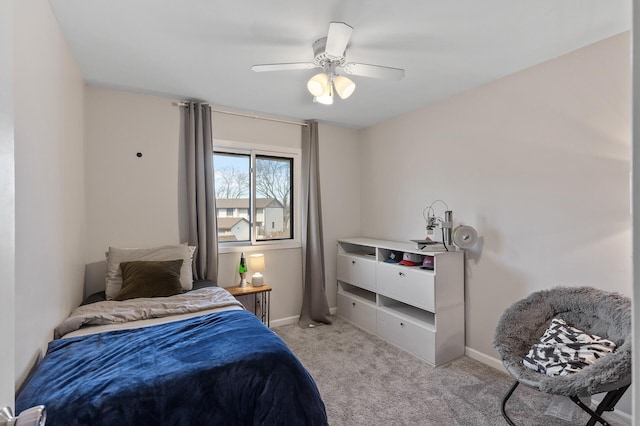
(360, 312)
(357, 270)
(408, 335)
(412, 286)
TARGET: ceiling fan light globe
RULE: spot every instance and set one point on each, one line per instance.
(327, 97)
(344, 86)
(317, 85)
(324, 99)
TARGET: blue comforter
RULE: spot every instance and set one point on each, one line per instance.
(225, 368)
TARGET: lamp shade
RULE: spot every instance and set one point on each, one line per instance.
(256, 262)
(257, 265)
(344, 86)
(318, 84)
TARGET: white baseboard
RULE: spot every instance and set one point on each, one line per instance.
(618, 417)
(615, 415)
(284, 321)
(485, 359)
(293, 320)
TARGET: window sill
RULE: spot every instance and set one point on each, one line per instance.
(259, 248)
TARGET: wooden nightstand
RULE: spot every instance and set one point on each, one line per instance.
(262, 296)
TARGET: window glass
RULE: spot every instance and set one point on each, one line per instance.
(233, 191)
(274, 177)
(254, 208)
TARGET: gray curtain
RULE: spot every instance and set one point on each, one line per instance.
(197, 140)
(315, 309)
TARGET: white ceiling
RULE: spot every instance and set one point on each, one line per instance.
(203, 49)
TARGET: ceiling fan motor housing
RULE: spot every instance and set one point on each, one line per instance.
(320, 56)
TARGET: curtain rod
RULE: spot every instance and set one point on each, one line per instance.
(240, 114)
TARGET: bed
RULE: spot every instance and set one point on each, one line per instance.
(193, 358)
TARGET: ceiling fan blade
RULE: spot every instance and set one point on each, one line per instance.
(337, 39)
(284, 67)
(374, 71)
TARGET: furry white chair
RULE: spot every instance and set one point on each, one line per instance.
(594, 311)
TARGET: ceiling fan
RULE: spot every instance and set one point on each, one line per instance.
(329, 54)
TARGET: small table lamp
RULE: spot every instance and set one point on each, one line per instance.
(256, 263)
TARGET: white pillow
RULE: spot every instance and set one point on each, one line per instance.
(113, 277)
(564, 349)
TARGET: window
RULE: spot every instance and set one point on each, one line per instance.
(254, 195)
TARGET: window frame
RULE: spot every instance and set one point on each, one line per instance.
(253, 150)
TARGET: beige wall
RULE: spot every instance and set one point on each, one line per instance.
(340, 185)
(135, 202)
(538, 162)
(636, 207)
(131, 201)
(7, 206)
(49, 179)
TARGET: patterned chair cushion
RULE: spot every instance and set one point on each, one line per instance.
(564, 349)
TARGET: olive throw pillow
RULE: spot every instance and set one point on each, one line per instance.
(150, 279)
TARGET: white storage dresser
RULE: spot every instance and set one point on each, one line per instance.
(418, 310)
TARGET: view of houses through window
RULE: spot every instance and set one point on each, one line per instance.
(260, 207)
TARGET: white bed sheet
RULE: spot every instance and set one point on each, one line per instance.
(144, 323)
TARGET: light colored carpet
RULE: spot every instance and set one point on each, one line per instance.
(365, 381)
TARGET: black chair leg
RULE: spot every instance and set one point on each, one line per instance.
(608, 403)
(504, 402)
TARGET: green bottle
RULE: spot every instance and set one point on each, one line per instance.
(242, 270)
